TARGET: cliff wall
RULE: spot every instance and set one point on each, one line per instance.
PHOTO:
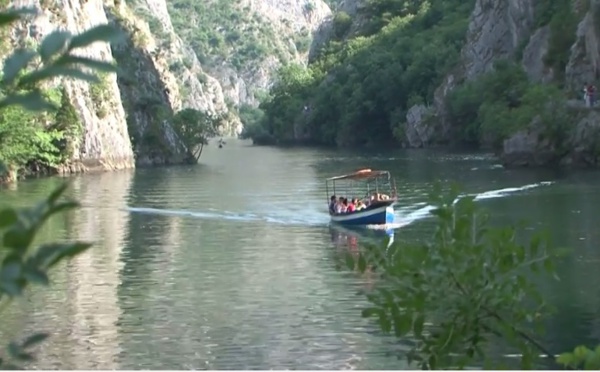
(103, 143)
(126, 119)
(511, 30)
(243, 43)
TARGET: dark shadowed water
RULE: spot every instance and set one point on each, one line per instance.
(231, 264)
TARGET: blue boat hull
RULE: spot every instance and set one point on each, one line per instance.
(379, 215)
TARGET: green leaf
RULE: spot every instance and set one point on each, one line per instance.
(62, 207)
(34, 339)
(32, 101)
(54, 43)
(107, 33)
(11, 268)
(16, 63)
(50, 254)
(349, 261)
(362, 263)
(12, 289)
(418, 325)
(56, 194)
(35, 276)
(403, 323)
(17, 352)
(18, 238)
(53, 71)
(370, 311)
(549, 265)
(9, 17)
(534, 244)
(8, 216)
(88, 62)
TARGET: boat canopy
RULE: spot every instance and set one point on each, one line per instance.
(363, 174)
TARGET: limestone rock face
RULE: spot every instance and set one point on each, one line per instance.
(104, 142)
(270, 33)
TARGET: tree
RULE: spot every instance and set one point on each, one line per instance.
(195, 128)
(22, 262)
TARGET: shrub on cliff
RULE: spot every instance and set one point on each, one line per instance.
(31, 129)
(493, 107)
(358, 87)
(23, 262)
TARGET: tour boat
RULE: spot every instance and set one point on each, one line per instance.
(366, 185)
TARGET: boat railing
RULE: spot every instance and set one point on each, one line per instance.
(372, 184)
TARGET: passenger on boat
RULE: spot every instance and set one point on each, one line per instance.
(340, 207)
(359, 204)
(332, 203)
(351, 206)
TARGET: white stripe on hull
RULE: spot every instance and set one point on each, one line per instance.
(360, 215)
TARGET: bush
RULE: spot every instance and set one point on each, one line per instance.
(341, 24)
(493, 107)
(464, 290)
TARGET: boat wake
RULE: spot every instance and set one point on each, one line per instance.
(419, 211)
(404, 215)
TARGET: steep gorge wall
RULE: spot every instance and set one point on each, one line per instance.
(126, 119)
(508, 29)
(104, 143)
(248, 39)
(189, 85)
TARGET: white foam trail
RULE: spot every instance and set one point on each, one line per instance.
(502, 192)
(423, 212)
(404, 216)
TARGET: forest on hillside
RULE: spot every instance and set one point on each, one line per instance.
(393, 54)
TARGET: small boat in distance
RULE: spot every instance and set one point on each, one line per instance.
(375, 190)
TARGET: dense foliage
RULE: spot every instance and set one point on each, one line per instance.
(38, 139)
(224, 31)
(24, 261)
(358, 89)
(392, 55)
(470, 287)
(195, 128)
(503, 101)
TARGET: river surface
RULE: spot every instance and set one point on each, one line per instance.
(231, 264)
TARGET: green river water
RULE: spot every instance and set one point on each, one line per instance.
(231, 264)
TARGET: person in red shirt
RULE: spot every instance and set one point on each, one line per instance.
(351, 206)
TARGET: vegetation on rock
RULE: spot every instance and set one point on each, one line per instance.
(38, 123)
(359, 87)
(241, 36)
(357, 91)
(502, 102)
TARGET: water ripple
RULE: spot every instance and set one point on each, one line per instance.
(226, 265)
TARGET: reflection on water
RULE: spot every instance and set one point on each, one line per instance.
(231, 264)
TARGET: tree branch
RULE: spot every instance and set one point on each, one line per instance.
(499, 318)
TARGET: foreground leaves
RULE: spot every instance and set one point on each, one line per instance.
(22, 262)
(581, 357)
(468, 286)
(55, 54)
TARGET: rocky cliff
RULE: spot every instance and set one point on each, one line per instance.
(126, 119)
(104, 141)
(511, 30)
(242, 43)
